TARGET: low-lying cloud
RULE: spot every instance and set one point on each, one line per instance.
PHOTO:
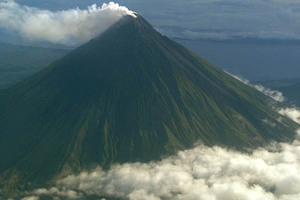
(67, 27)
(200, 173)
(225, 19)
(272, 173)
(274, 94)
(292, 113)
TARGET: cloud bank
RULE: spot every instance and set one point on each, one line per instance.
(200, 173)
(225, 19)
(67, 27)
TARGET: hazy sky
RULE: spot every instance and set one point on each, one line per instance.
(213, 19)
(73, 22)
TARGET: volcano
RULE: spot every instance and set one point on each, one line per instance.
(129, 95)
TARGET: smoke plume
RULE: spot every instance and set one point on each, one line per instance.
(67, 27)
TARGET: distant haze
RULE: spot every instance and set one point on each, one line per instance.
(254, 60)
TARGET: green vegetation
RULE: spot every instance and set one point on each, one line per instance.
(129, 95)
(19, 62)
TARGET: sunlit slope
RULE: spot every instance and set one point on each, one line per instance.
(129, 95)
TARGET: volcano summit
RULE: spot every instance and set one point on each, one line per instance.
(131, 94)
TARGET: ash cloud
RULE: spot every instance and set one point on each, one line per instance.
(67, 27)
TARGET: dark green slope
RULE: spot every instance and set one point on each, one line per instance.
(129, 95)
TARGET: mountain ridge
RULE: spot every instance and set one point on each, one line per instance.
(128, 95)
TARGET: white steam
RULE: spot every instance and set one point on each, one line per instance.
(68, 27)
(200, 173)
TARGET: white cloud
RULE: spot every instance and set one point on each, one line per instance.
(200, 173)
(224, 19)
(274, 94)
(211, 19)
(270, 123)
(292, 113)
(204, 173)
(31, 198)
(207, 19)
(69, 27)
(219, 35)
(66, 193)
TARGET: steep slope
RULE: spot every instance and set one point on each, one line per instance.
(129, 95)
